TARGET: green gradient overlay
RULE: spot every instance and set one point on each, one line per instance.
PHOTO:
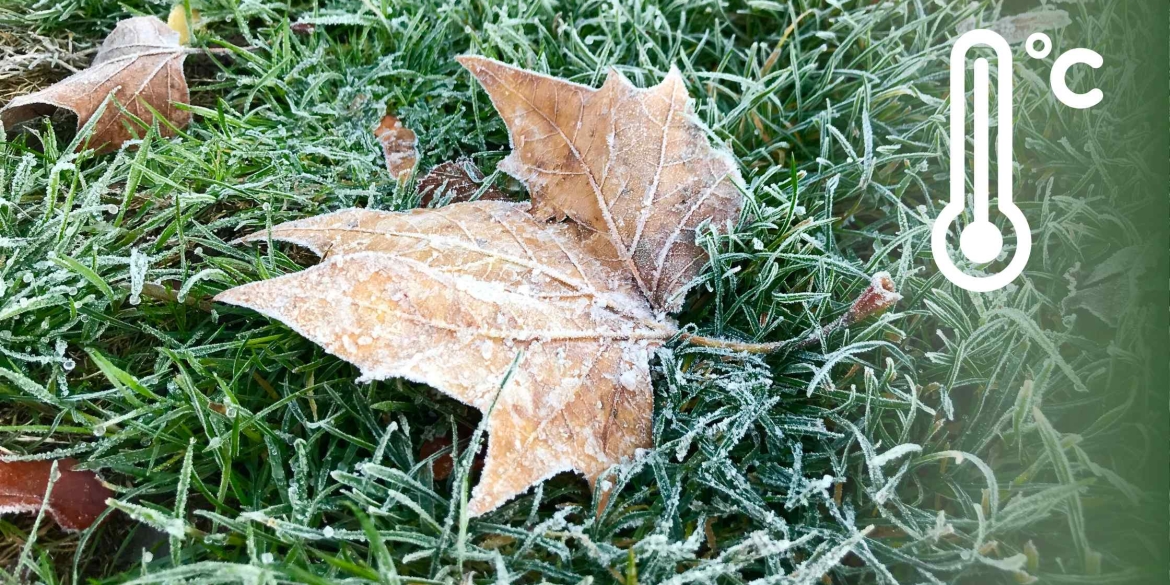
(1094, 185)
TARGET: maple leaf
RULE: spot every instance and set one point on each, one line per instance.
(547, 329)
(141, 62)
(492, 307)
(455, 181)
(77, 499)
(398, 147)
(635, 165)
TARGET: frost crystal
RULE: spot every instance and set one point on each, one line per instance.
(139, 264)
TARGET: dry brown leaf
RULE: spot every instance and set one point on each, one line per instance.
(398, 146)
(141, 62)
(547, 329)
(77, 499)
(632, 164)
(488, 305)
(455, 181)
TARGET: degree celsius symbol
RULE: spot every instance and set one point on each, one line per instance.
(980, 241)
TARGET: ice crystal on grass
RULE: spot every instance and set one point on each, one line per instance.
(139, 263)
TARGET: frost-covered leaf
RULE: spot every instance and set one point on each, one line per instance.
(398, 147)
(1111, 287)
(493, 308)
(75, 502)
(634, 165)
(141, 62)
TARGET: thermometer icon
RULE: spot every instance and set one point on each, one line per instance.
(980, 240)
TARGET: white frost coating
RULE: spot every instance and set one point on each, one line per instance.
(894, 453)
(205, 274)
(18, 509)
(629, 379)
(876, 283)
(139, 264)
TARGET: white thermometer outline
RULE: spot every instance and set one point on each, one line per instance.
(981, 240)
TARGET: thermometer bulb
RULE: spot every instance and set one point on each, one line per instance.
(981, 242)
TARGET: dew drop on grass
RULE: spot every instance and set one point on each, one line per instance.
(68, 365)
(327, 532)
(267, 558)
(99, 431)
(147, 556)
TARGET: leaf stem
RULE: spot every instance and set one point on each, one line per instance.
(740, 346)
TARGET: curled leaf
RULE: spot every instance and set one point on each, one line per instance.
(140, 64)
(398, 146)
(77, 499)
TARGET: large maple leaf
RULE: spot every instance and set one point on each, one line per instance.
(632, 164)
(546, 328)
